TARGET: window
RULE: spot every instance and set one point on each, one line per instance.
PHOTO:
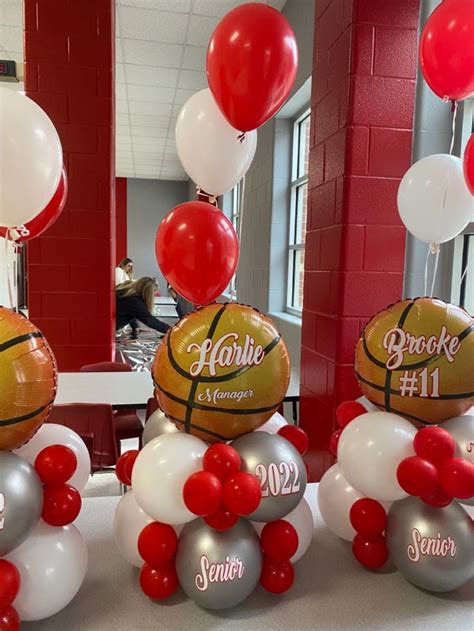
(298, 211)
(235, 219)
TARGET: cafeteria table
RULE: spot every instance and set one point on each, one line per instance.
(331, 592)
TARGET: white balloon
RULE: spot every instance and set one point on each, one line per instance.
(335, 499)
(301, 518)
(159, 474)
(273, 424)
(156, 425)
(369, 451)
(129, 521)
(52, 564)
(31, 157)
(370, 407)
(209, 148)
(52, 434)
(433, 200)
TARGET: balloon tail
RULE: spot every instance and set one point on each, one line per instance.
(454, 109)
(8, 266)
(433, 249)
(241, 137)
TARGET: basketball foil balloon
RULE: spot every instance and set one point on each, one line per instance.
(416, 359)
(222, 371)
(27, 379)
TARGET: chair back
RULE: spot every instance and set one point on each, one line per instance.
(151, 406)
(107, 367)
(95, 425)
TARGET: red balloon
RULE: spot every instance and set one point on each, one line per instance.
(279, 540)
(446, 50)
(222, 519)
(370, 554)
(9, 584)
(348, 411)
(9, 620)
(56, 464)
(434, 444)
(197, 251)
(251, 64)
(417, 476)
(222, 460)
(242, 493)
(334, 441)
(468, 164)
(161, 583)
(277, 576)
(47, 216)
(123, 469)
(439, 498)
(62, 504)
(456, 477)
(202, 493)
(296, 436)
(157, 544)
(368, 518)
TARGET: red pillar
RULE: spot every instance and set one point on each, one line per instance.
(121, 218)
(364, 69)
(69, 71)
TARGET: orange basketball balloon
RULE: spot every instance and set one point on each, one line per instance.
(222, 371)
(416, 359)
(27, 379)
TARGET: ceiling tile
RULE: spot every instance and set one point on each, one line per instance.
(11, 37)
(200, 29)
(121, 91)
(148, 108)
(150, 93)
(152, 53)
(147, 24)
(192, 80)
(180, 6)
(183, 95)
(194, 57)
(214, 8)
(149, 75)
(118, 50)
(121, 119)
(155, 147)
(11, 12)
(153, 121)
(119, 73)
(121, 107)
(151, 132)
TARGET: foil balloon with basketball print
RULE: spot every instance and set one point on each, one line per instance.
(221, 372)
(416, 359)
(27, 379)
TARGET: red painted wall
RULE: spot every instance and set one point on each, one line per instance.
(69, 71)
(120, 218)
(364, 68)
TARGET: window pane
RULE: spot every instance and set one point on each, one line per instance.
(467, 295)
(303, 153)
(298, 278)
(301, 212)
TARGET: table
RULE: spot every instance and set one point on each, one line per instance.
(164, 300)
(331, 592)
(119, 389)
(166, 311)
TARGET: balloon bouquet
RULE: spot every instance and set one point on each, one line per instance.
(217, 506)
(403, 474)
(43, 468)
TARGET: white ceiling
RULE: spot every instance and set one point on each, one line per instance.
(161, 58)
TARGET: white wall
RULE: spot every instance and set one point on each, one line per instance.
(148, 202)
(8, 260)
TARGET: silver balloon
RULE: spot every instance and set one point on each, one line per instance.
(21, 501)
(156, 425)
(432, 547)
(281, 471)
(218, 569)
(461, 429)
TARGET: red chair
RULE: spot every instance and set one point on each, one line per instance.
(151, 406)
(94, 422)
(127, 423)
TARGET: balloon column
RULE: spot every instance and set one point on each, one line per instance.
(43, 558)
(222, 518)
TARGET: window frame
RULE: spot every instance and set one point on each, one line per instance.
(235, 213)
(297, 184)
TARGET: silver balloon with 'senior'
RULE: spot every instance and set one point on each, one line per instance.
(432, 547)
(21, 501)
(461, 429)
(158, 424)
(280, 469)
(218, 569)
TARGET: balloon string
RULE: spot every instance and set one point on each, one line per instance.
(434, 248)
(435, 270)
(241, 137)
(211, 199)
(454, 109)
(464, 274)
(8, 270)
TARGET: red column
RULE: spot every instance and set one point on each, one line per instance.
(121, 218)
(69, 71)
(364, 70)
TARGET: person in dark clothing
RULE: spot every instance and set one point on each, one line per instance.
(134, 301)
(183, 306)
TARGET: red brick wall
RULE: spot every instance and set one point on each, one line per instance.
(69, 71)
(364, 70)
(121, 218)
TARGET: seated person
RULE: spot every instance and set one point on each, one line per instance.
(135, 300)
(123, 271)
(183, 306)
